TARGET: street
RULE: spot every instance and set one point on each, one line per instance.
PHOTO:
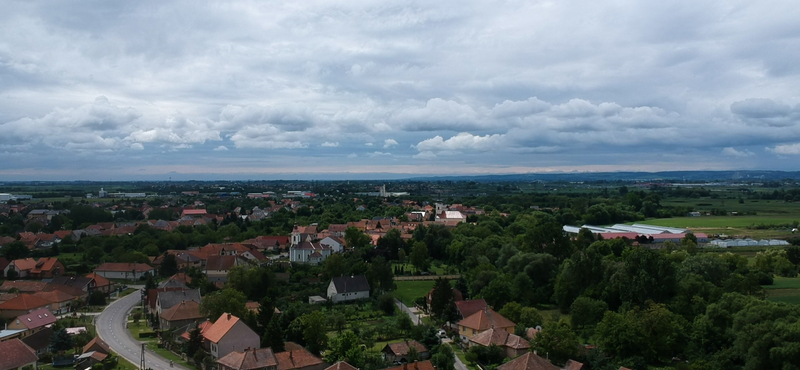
(416, 320)
(111, 329)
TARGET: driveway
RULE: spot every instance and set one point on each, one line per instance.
(111, 329)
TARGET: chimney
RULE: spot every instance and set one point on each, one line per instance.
(229, 316)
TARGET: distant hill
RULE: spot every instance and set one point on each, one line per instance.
(666, 176)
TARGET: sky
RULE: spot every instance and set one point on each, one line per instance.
(102, 90)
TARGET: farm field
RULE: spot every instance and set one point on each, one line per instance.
(785, 290)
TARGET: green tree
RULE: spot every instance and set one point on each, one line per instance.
(273, 337)
(444, 359)
(228, 300)
(266, 311)
(334, 266)
(169, 266)
(345, 347)
(61, 341)
(558, 341)
(587, 312)
(15, 250)
(355, 239)
(195, 342)
(380, 275)
(442, 304)
(419, 256)
(314, 331)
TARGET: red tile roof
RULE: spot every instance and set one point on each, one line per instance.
(98, 345)
(220, 327)
(25, 264)
(124, 267)
(402, 348)
(222, 263)
(486, 319)
(186, 310)
(500, 337)
(341, 365)
(55, 296)
(24, 302)
(37, 319)
(99, 280)
(16, 354)
(297, 359)
(467, 308)
(24, 286)
(419, 365)
(528, 361)
(249, 360)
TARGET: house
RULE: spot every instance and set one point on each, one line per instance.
(23, 286)
(250, 359)
(21, 305)
(341, 365)
(299, 359)
(481, 321)
(179, 279)
(78, 282)
(180, 315)
(269, 242)
(39, 341)
(308, 252)
(419, 365)
(22, 267)
(152, 296)
(100, 283)
(400, 351)
(528, 361)
(89, 359)
(46, 268)
(229, 334)
(455, 216)
(335, 243)
(513, 345)
(17, 355)
(167, 299)
(217, 267)
(348, 288)
(124, 271)
(96, 345)
(467, 308)
(303, 233)
(193, 213)
(573, 365)
(80, 295)
(60, 301)
(33, 322)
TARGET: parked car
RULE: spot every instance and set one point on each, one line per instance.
(441, 334)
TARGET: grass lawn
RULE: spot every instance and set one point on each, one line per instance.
(438, 270)
(460, 354)
(152, 343)
(127, 291)
(785, 290)
(408, 291)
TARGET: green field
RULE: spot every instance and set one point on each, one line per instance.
(721, 221)
(408, 291)
(784, 290)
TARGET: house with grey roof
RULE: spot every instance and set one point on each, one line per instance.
(348, 288)
(168, 299)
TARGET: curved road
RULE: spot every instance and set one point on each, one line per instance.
(111, 329)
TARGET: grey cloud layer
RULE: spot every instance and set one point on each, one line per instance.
(448, 84)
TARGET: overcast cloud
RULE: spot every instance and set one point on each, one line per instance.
(99, 90)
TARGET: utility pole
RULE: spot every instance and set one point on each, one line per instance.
(141, 362)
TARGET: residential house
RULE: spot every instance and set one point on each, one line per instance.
(101, 284)
(513, 345)
(337, 229)
(47, 268)
(39, 341)
(96, 345)
(269, 243)
(232, 249)
(481, 321)
(22, 267)
(229, 334)
(528, 361)
(61, 302)
(401, 351)
(335, 243)
(180, 315)
(193, 213)
(80, 295)
(419, 365)
(467, 308)
(299, 359)
(168, 299)
(152, 296)
(85, 284)
(89, 359)
(17, 355)
(304, 233)
(217, 267)
(250, 359)
(179, 279)
(33, 322)
(308, 252)
(573, 365)
(348, 288)
(124, 271)
(21, 305)
(341, 365)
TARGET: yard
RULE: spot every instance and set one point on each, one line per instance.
(152, 343)
(408, 291)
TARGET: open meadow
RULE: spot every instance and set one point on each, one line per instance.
(785, 290)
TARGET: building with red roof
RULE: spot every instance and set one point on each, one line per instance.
(228, 334)
(21, 305)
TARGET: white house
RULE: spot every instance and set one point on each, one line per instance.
(229, 334)
(348, 288)
(125, 271)
(308, 252)
(336, 244)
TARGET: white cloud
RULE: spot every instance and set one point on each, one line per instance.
(732, 152)
(785, 149)
(378, 154)
(221, 148)
(368, 144)
(388, 143)
(329, 144)
(137, 146)
(461, 142)
(425, 155)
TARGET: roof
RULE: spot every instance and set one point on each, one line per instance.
(96, 344)
(194, 212)
(341, 365)
(186, 310)
(39, 340)
(55, 296)
(350, 284)
(24, 263)
(418, 365)
(99, 280)
(37, 319)
(500, 337)
(486, 319)
(124, 267)
(169, 299)
(203, 327)
(73, 281)
(296, 359)
(24, 302)
(24, 286)
(402, 348)
(15, 354)
(573, 365)
(71, 290)
(220, 327)
(220, 262)
(528, 361)
(467, 308)
(250, 359)
(46, 264)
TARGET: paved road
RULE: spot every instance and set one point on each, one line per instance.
(416, 320)
(111, 328)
